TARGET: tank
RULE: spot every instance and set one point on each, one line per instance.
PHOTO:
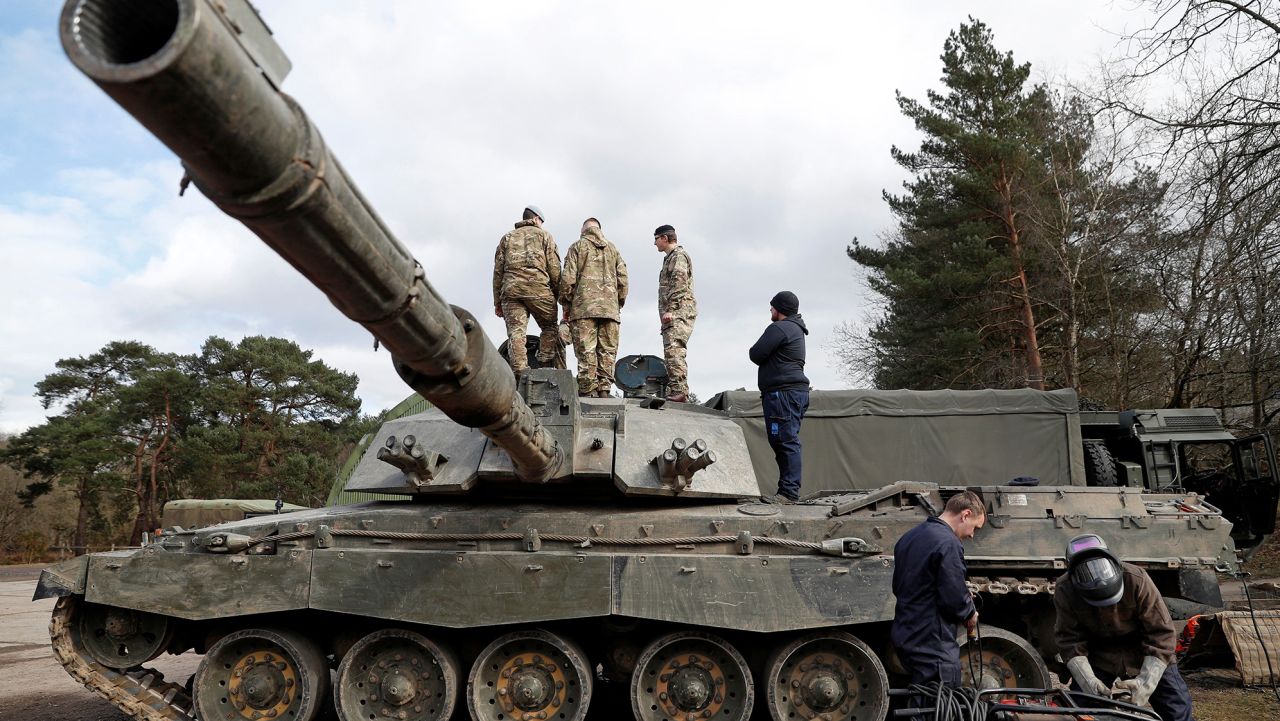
(555, 557)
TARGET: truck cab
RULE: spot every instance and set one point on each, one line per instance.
(1186, 449)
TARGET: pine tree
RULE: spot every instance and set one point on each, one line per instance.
(959, 308)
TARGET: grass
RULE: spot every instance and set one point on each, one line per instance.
(1216, 695)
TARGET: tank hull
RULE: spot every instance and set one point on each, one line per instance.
(466, 573)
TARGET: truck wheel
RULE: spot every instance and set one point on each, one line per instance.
(1099, 465)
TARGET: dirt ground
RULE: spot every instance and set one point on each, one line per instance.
(1216, 693)
(33, 687)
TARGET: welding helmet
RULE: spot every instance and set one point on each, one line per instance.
(1094, 571)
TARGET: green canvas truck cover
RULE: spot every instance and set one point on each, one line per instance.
(197, 513)
(862, 439)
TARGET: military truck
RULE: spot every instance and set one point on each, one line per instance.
(558, 556)
(863, 439)
(1187, 449)
(190, 513)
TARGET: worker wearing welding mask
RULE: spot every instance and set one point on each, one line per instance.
(1113, 624)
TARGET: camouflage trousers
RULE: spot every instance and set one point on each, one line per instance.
(516, 313)
(595, 343)
(675, 338)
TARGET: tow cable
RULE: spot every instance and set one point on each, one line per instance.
(938, 702)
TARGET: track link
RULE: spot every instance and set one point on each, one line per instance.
(142, 693)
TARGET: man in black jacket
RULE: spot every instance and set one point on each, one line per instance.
(784, 389)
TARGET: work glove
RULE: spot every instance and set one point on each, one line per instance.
(1144, 684)
(1085, 678)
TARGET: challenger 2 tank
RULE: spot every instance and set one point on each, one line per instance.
(558, 558)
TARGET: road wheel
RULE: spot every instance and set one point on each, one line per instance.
(529, 676)
(261, 673)
(830, 675)
(121, 638)
(396, 674)
(689, 675)
(1001, 659)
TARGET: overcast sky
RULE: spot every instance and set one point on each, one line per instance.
(761, 131)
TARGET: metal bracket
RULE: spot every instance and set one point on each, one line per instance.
(419, 467)
(1069, 520)
(677, 464)
(254, 37)
(223, 542)
(849, 547)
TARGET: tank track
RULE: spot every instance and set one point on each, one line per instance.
(142, 693)
(1010, 585)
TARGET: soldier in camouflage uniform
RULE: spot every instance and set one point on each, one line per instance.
(593, 289)
(677, 310)
(526, 279)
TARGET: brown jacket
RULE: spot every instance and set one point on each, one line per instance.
(1115, 638)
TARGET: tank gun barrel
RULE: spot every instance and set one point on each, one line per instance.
(203, 78)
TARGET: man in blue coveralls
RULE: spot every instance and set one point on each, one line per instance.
(932, 598)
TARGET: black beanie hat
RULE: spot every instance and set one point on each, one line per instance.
(786, 303)
(663, 230)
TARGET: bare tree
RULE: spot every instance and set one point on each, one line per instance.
(1230, 49)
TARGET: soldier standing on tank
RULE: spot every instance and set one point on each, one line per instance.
(677, 310)
(593, 289)
(526, 280)
(1111, 623)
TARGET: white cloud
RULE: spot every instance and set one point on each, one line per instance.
(760, 131)
(108, 190)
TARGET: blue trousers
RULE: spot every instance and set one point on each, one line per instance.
(783, 411)
(1171, 699)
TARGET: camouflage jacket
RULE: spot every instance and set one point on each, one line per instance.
(675, 285)
(594, 282)
(526, 264)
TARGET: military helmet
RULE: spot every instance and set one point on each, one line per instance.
(1094, 571)
(536, 211)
